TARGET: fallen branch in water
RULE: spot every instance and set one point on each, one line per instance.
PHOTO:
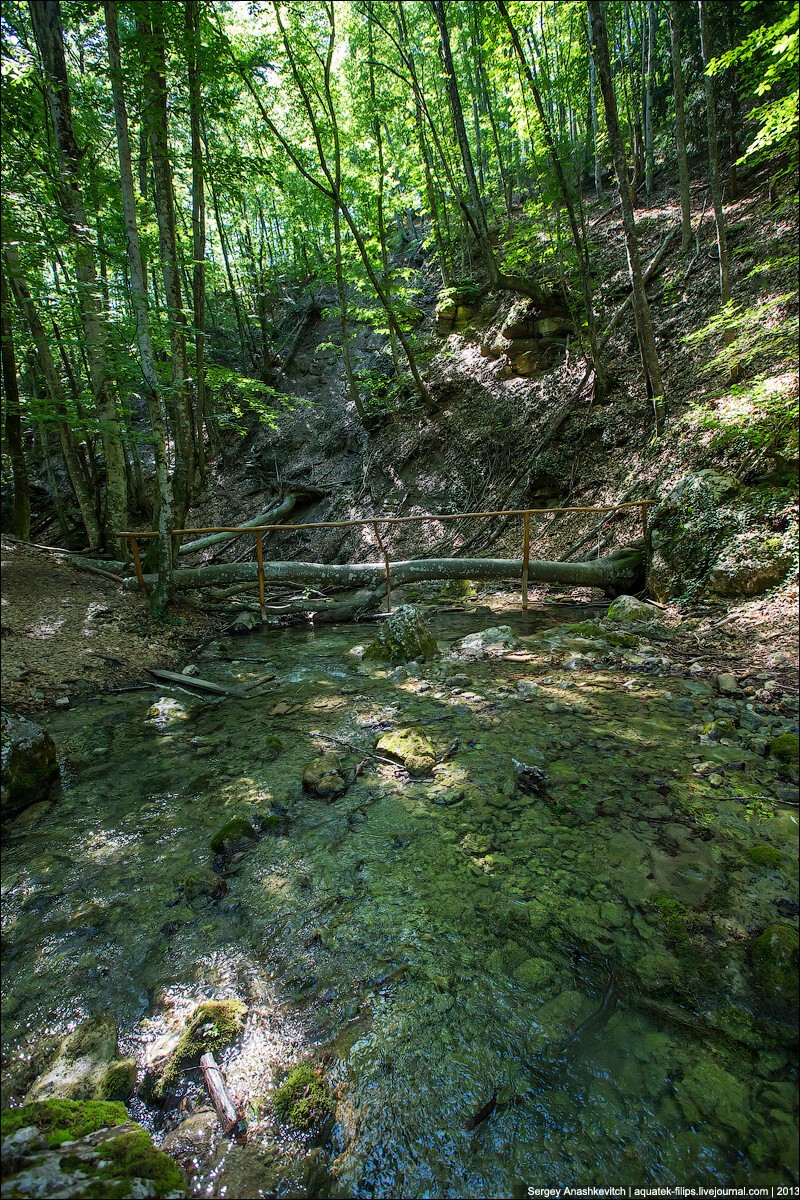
(220, 1097)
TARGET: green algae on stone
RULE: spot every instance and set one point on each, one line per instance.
(404, 636)
(765, 856)
(233, 834)
(214, 1025)
(83, 1056)
(303, 1100)
(63, 1120)
(323, 777)
(201, 881)
(786, 748)
(118, 1081)
(131, 1158)
(409, 747)
(675, 919)
(271, 747)
(774, 955)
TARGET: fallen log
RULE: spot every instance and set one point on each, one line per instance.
(617, 573)
(191, 681)
(220, 1097)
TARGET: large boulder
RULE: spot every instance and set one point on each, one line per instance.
(711, 536)
(86, 1066)
(29, 763)
(628, 608)
(403, 637)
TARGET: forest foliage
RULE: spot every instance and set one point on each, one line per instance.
(185, 184)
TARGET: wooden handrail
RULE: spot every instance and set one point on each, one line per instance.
(500, 512)
(375, 522)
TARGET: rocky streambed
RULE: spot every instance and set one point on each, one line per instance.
(390, 897)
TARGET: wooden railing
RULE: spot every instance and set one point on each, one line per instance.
(375, 522)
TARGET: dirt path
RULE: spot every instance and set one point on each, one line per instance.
(66, 632)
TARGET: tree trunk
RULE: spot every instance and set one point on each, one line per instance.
(598, 164)
(644, 328)
(155, 113)
(713, 162)
(648, 96)
(344, 331)
(46, 20)
(680, 125)
(198, 226)
(21, 512)
(615, 574)
(52, 380)
(162, 592)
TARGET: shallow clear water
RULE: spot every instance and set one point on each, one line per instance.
(429, 940)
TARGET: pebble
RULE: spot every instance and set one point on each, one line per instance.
(727, 684)
(62, 702)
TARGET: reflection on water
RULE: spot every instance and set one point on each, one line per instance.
(430, 940)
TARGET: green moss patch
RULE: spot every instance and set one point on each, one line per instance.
(119, 1080)
(133, 1156)
(765, 856)
(63, 1120)
(786, 748)
(234, 833)
(303, 1101)
(774, 956)
(214, 1025)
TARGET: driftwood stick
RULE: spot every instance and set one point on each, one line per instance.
(220, 1097)
(356, 749)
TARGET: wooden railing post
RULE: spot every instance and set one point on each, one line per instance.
(386, 565)
(526, 554)
(137, 565)
(260, 558)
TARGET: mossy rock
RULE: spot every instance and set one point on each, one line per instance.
(786, 748)
(675, 920)
(774, 955)
(214, 1025)
(63, 1120)
(201, 881)
(404, 636)
(83, 1057)
(303, 1101)
(765, 856)
(323, 777)
(89, 1151)
(234, 834)
(628, 608)
(271, 747)
(118, 1081)
(409, 747)
(29, 763)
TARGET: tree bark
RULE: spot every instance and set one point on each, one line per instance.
(713, 162)
(680, 125)
(52, 380)
(614, 574)
(48, 29)
(644, 328)
(161, 594)
(149, 25)
(198, 226)
(21, 511)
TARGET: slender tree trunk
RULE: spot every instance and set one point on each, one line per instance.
(52, 380)
(21, 511)
(352, 386)
(648, 96)
(151, 34)
(713, 162)
(198, 226)
(680, 125)
(598, 164)
(161, 595)
(644, 328)
(567, 196)
(47, 25)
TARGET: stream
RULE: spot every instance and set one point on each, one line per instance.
(430, 939)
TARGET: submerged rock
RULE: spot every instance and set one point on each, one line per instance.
(409, 747)
(488, 642)
(303, 1100)
(234, 834)
(774, 955)
(404, 636)
(29, 763)
(786, 748)
(71, 1149)
(323, 777)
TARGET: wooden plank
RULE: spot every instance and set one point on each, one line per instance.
(191, 681)
(137, 564)
(260, 560)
